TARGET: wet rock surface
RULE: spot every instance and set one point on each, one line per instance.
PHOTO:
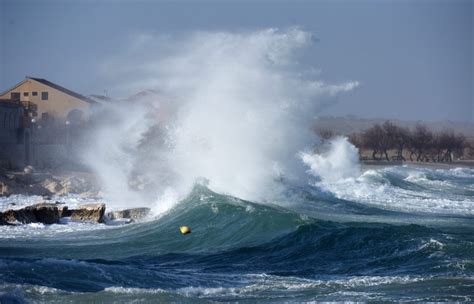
(40, 213)
(134, 214)
(89, 213)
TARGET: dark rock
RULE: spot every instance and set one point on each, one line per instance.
(20, 216)
(63, 211)
(45, 213)
(39, 213)
(90, 212)
(133, 213)
(2, 221)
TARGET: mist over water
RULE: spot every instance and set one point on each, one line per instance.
(238, 109)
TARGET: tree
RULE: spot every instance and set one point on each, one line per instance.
(400, 138)
(420, 142)
(389, 138)
(355, 139)
(374, 139)
(448, 144)
(460, 143)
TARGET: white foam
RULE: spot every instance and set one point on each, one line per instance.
(341, 161)
(38, 230)
(421, 194)
(130, 290)
(259, 283)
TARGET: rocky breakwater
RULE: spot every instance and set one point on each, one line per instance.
(47, 213)
(88, 213)
(40, 213)
(134, 214)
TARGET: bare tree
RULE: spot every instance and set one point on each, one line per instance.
(423, 144)
(373, 139)
(355, 139)
(470, 148)
(389, 138)
(420, 142)
(400, 137)
(459, 144)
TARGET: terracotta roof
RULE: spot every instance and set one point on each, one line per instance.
(62, 89)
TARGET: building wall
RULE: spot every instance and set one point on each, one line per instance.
(12, 147)
(58, 105)
(10, 117)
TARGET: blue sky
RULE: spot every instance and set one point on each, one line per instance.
(414, 59)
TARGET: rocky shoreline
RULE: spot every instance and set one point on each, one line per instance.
(55, 185)
(47, 184)
(52, 213)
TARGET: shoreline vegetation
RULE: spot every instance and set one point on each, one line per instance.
(389, 143)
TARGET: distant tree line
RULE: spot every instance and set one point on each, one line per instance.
(417, 144)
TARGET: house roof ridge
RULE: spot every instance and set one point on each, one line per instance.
(61, 88)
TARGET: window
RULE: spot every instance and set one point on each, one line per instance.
(15, 95)
(44, 96)
(26, 93)
(34, 93)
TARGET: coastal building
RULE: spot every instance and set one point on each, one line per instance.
(14, 134)
(11, 116)
(46, 100)
(38, 123)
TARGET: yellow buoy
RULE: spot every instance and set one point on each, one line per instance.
(185, 229)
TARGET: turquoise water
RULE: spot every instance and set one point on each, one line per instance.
(393, 234)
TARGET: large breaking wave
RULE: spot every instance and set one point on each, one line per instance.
(242, 250)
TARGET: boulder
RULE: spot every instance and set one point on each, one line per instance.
(63, 211)
(37, 189)
(20, 216)
(89, 212)
(45, 213)
(51, 185)
(77, 184)
(133, 214)
(2, 221)
(39, 213)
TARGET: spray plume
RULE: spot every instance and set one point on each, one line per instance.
(233, 108)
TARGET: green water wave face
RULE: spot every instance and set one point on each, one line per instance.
(218, 222)
(320, 242)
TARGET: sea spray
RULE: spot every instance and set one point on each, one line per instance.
(111, 149)
(340, 161)
(242, 110)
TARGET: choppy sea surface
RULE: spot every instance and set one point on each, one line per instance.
(393, 234)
